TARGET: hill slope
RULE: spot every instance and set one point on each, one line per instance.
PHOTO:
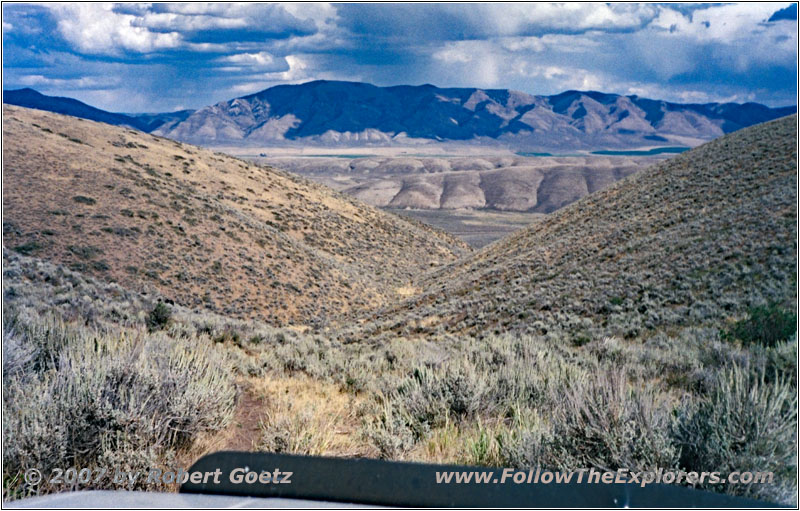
(30, 98)
(349, 113)
(695, 239)
(202, 229)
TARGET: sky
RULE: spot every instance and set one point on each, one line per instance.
(160, 57)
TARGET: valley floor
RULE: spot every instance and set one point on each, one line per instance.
(477, 227)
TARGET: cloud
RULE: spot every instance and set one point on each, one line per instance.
(83, 83)
(193, 54)
(262, 61)
(726, 23)
(113, 29)
(476, 21)
(478, 57)
(97, 29)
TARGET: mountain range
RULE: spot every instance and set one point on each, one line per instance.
(335, 113)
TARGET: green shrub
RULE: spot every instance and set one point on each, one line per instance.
(428, 398)
(764, 325)
(28, 248)
(84, 200)
(388, 430)
(159, 317)
(85, 252)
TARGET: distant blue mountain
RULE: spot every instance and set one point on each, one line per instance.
(30, 98)
(351, 113)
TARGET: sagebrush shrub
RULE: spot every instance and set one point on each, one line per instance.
(745, 424)
(107, 394)
(607, 422)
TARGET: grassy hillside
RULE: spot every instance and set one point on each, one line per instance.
(697, 239)
(202, 229)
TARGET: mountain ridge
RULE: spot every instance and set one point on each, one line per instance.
(337, 113)
(31, 98)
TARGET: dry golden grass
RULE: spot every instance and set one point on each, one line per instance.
(201, 228)
(290, 413)
(306, 416)
(406, 291)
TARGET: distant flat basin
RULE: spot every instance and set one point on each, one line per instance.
(649, 152)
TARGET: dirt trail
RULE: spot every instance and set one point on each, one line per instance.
(250, 409)
(304, 416)
(242, 434)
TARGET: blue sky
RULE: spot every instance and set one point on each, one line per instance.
(162, 57)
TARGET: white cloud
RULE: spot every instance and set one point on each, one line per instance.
(726, 23)
(476, 61)
(188, 22)
(558, 78)
(112, 29)
(683, 95)
(733, 37)
(116, 100)
(87, 82)
(255, 61)
(301, 68)
(298, 69)
(454, 54)
(97, 29)
(323, 14)
(208, 47)
(519, 18)
(273, 18)
(572, 43)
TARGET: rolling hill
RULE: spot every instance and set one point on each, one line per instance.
(202, 229)
(502, 183)
(696, 239)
